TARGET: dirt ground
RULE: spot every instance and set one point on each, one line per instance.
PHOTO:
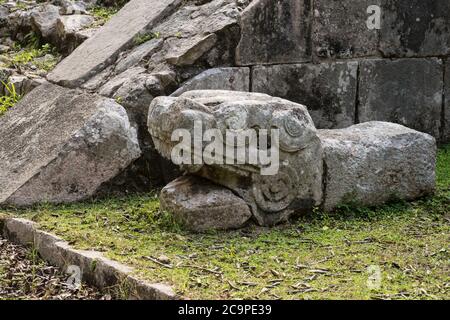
(23, 275)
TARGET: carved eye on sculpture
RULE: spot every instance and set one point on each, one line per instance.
(275, 193)
(232, 117)
(294, 129)
(194, 119)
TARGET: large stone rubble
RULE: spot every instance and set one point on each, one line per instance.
(62, 148)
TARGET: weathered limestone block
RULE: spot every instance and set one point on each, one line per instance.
(109, 88)
(340, 29)
(23, 84)
(207, 31)
(405, 91)
(295, 186)
(68, 7)
(44, 20)
(201, 205)
(71, 24)
(415, 28)
(130, 59)
(446, 128)
(70, 31)
(234, 79)
(275, 32)
(61, 145)
(328, 90)
(97, 52)
(374, 162)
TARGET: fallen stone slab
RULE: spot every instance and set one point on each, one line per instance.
(91, 57)
(93, 267)
(328, 90)
(286, 184)
(375, 162)
(206, 29)
(61, 145)
(71, 31)
(200, 205)
(404, 91)
(275, 32)
(234, 79)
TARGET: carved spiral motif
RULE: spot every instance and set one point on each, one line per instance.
(275, 193)
(232, 118)
(293, 130)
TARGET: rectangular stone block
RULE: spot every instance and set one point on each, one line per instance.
(405, 91)
(415, 28)
(234, 79)
(375, 162)
(446, 128)
(275, 32)
(328, 90)
(98, 51)
(340, 29)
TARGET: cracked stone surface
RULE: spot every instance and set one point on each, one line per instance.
(375, 162)
(61, 145)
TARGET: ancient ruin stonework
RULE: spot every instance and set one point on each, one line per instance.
(297, 184)
(366, 164)
(62, 148)
(200, 205)
(374, 162)
(446, 125)
(340, 30)
(403, 105)
(327, 89)
(417, 32)
(275, 32)
(100, 50)
(235, 79)
(320, 55)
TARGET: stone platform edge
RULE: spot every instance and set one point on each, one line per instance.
(96, 270)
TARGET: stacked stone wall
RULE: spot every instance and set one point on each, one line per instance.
(352, 61)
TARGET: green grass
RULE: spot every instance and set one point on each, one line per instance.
(144, 37)
(31, 53)
(9, 100)
(103, 14)
(320, 256)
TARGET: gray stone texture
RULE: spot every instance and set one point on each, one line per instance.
(70, 31)
(405, 91)
(295, 186)
(340, 29)
(200, 205)
(206, 30)
(275, 32)
(97, 52)
(61, 145)
(43, 20)
(415, 28)
(328, 90)
(235, 79)
(446, 128)
(374, 162)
